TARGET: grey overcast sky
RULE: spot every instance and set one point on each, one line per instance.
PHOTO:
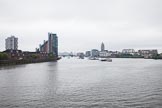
(83, 24)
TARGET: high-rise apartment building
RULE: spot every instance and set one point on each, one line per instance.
(53, 44)
(11, 43)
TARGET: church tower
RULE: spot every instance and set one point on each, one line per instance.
(102, 47)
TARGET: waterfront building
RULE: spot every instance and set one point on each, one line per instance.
(34, 55)
(152, 52)
(50, 46)
(11, 43)
(88, 54)
(148, 53)
(53, 44)
(102, 47)
(80, 55)
(114, 54)
(128, 51)
(14, 54)
(94, 53)
(44, 47)
(104, 54)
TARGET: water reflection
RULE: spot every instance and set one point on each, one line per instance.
(12, 67)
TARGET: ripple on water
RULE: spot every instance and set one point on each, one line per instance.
(124, 83)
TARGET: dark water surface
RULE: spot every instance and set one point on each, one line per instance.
(123, 83)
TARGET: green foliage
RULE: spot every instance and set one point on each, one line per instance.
(158, 56)
(126, 55)
(3, 56)
(34, 56)
(51, 55)
(129, 56)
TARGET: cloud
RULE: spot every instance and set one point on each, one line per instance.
(83, 24)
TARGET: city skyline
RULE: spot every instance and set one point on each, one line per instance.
(83, 25)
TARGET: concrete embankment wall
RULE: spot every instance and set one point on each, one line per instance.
(15, 62)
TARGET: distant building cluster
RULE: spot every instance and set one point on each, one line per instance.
(96, 53)
(126, 53)
(50, 46)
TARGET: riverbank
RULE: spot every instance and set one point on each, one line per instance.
(26, 61)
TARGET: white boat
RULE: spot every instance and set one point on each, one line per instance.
(106, 59)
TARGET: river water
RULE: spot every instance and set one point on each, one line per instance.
(77, 83)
